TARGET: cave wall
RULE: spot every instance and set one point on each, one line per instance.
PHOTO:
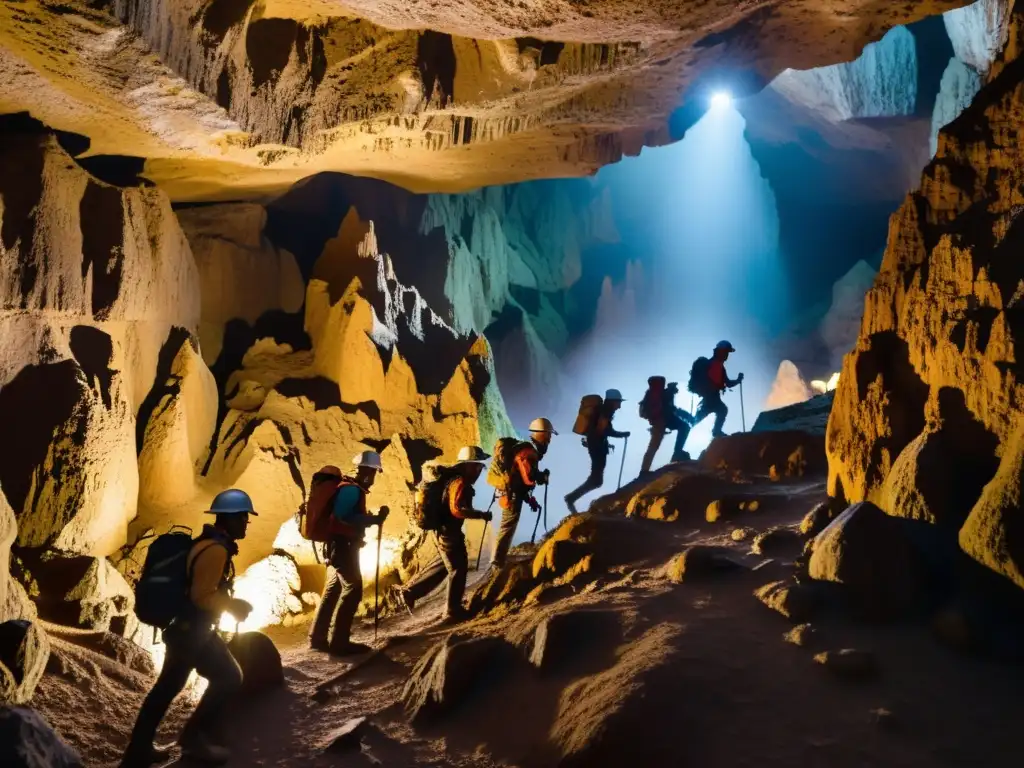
(928, 413)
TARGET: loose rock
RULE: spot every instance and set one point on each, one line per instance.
(28, 741)
(742, 534)
(775, 541)
(796, 602)
(699, 561)
(801, 635)
(849, 664)
(347, 736)
(260, 661)
(819, 517)
(24, 650)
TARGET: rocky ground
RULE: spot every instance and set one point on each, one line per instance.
(639, 632)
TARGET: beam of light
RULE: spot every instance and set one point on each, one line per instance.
(721, 100)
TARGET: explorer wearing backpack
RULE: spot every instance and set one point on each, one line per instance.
(595, 423)
(442, 504)
(345, 497)
(709, 380)
(515, 473)
(185, 592)
(660, 409)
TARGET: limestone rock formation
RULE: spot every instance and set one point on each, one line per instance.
(841, 324)
(978, 32)
(882, 82)
(936, 351)
(226, 98)
(960, 84)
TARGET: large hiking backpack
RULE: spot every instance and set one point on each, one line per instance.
(161, 594)
(428, 509)
(699, 382)
(502, 469)
(651, 405)
(315, 514)
(586, 419)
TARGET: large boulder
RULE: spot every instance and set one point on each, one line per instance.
(260, 661)
(681, 491)
(783, 453)
(562, 637)
(869, 555)
(24, 650)
(448, 673)
(28, 741)
(14, 602)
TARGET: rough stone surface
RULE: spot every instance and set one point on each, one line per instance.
(801, 635)
(809, 417)
(460, 96)
(841, 325)
(347, 736)
(868, 553)
(960, 84)
(776, 541)
(561, 637)
(28, 741)
(978, 32)
(937, 344)
(823, 513)
(83, 592)
(24, 650)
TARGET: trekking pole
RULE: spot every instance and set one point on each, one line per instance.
(622, 464)
(743, 413)
(545, 507)
(483, 533)
(376, 583)
(533, 538)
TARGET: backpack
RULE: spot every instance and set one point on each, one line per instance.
(586, 419)
(502, 468)
(428, 509)
(316, 514)
(699, 383)
(650, 406)
(161, 594)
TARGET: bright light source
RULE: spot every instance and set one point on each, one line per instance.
(721, 100)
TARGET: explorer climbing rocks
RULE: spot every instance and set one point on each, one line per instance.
(349, 520)
(594, 422)
(197, 581)
(659, 408)
(708, 380)
(515, 473)
(442, 504)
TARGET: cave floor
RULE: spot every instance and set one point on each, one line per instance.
(699, 674)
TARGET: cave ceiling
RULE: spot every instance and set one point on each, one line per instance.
(238, 99)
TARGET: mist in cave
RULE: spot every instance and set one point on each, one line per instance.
(703, 225)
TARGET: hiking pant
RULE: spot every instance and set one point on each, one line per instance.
(190, 646)
(451, 563)
(342, 593)
(598, 460)
(509, 523)
(712, 404)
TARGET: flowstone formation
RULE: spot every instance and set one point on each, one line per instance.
(926, 422)
(253, 95)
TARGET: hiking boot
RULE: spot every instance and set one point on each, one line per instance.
(718, 434)
(143, 758)
(349, 649)
(682, 456)
(571, 504)
(199, 750)
(319, 645)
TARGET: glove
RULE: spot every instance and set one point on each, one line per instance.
(625, 434)
(239, 609)
(740, 377)
(534, 504)
(544, 478)
(486, 516)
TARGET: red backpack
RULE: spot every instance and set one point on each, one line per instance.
(316, 519)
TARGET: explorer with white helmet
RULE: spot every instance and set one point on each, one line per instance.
(344, 500)
(442, 505)
(598, 429)
(515, 474)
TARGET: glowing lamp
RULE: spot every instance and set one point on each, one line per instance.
(721, 100)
